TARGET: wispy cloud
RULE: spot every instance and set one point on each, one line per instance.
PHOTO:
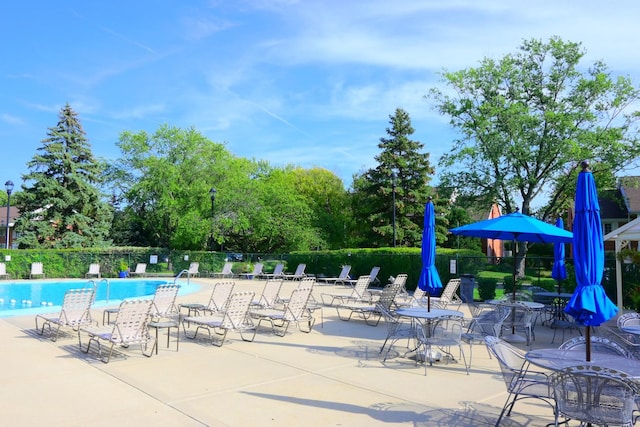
(11, 119)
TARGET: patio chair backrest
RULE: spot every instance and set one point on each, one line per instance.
(297, 305)
(300, 270)
(141, 268)
(360, 287)
(270, 292)
(220, 296)
(449, 291)
(76, 307)
(226, 268)
(490, 322)
(257, 269)
(628, 319)
(236, 313)
(510, 359)
(37, 268)
(130, 326)
(94, 269)
(401, 280)
(373, 275)
(594, 395)
(278, 270)
(598, 344)
(194, 268)
(164, 300)
(388, 295)
(344, 273)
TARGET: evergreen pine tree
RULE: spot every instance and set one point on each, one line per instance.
(60, 204)
(373, 190)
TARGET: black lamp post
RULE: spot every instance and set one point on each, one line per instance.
(9, 187)
(212, 194)
(393, 190)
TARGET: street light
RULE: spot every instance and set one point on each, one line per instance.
(212, 194)
(393, 190)
(9, 187)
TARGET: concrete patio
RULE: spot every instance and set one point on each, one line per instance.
(333, 376)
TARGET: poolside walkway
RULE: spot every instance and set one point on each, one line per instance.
(330, 377)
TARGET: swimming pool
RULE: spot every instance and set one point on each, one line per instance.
(36, 296)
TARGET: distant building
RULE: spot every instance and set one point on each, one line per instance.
(13, 214)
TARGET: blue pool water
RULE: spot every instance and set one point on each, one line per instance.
(33, 296)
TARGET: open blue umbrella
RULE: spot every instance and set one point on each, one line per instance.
(559, 270)
(516, 227)
(429, 280)
(589, 304)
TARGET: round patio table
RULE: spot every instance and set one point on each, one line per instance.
(556, 359)
(423, 313)
(632, 329)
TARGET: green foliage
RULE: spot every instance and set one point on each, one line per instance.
(486, 288)
(527, 120)
(374, 189)
(60, 203)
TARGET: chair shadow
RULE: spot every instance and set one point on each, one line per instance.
(470, 414)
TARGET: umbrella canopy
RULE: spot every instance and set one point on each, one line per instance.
(515, 226)
(494, 247)
(589, 304)
(559, 270)
(429, 280)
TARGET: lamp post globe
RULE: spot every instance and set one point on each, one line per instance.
(8, 186)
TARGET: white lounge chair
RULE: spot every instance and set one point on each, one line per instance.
(257, 271)
(130, 327)
(37, 271)
(194, 269)
(278, 272)
(235, 318)
(94, 271)
(75, 312)
(217, 302)
(449, 295)
(298, 274)
(3, 271)
(358, 294)
(270, 294)
(140, 271)
(293, 311)
(226, 271)
(342, 278)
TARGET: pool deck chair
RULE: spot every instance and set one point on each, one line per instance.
(295, 310)
(257, 271)
(278, 272)
(226, 271)
(235, 318)
(129, 328)
(342, 278)
(75, 312)
(194, 269)
(94, 271)
(140, 271)
(3, 271)
(37, 271)
(299, 273)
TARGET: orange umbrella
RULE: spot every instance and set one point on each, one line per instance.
(494, 247)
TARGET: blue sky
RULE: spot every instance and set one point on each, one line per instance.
(305, 82)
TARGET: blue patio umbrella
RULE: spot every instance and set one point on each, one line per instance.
(429, 280)
(516, 227)
(559, 270)
(589, 305)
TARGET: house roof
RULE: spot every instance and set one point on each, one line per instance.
(629, 231)
(612, 204)
(630, 190)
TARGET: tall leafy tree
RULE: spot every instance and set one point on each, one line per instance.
(60, 203)
(527, 120)
(373, 205)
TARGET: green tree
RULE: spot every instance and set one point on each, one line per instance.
(527, 121)
(60, 203)
(373, 190)
(325, 194)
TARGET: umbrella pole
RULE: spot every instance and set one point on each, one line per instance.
(588, 343)
(515, 273)
(428, 301)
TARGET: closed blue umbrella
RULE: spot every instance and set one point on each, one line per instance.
(589, 304)
(559, 270)
(429, 280)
